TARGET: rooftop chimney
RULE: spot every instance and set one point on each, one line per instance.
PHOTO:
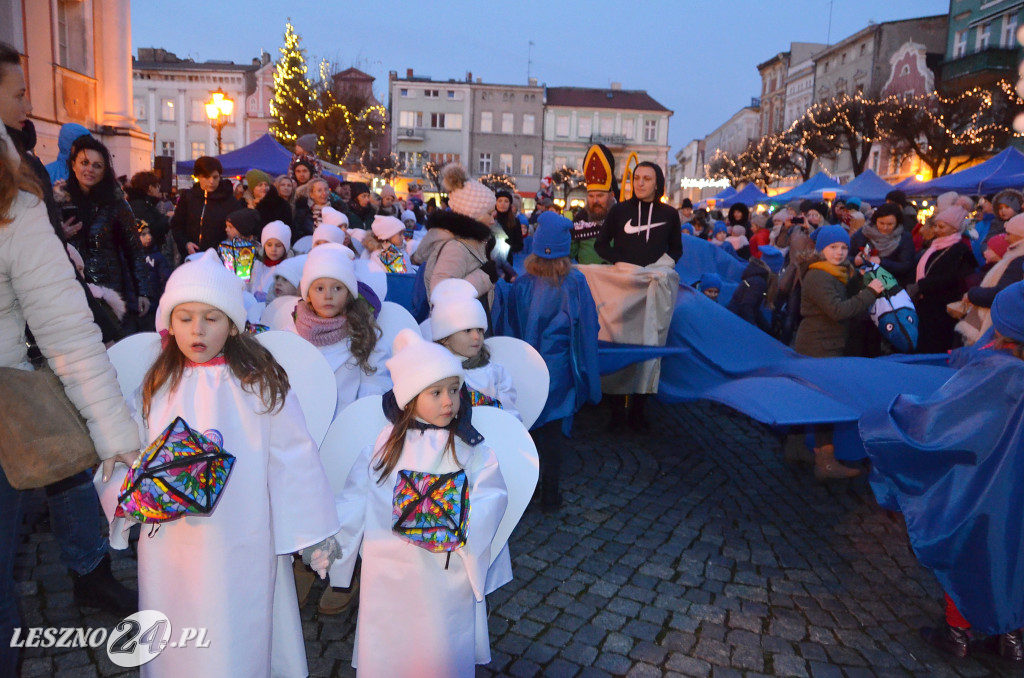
(469, 76)
(533, 82)
(408, 74)
(616, 86)
(479, 81)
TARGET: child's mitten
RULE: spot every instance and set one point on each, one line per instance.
(321, 556)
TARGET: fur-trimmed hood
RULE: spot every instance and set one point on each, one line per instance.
(459, 225)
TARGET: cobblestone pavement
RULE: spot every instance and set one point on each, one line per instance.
(693, 551)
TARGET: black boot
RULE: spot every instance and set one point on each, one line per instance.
(99, 589)
(550, 497)
(617, 412)
(637, 418)
(948, 639)
(1006, 645)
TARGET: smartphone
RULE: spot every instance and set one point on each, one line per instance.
(798, 220)
(68, 211)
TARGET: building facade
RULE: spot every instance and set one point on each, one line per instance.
(734, 134)
(773, 93)
(170, 96)
(799, 80)
(430, 121)
(506, 132)
(625, 121)
(981, 44)
(77, 58)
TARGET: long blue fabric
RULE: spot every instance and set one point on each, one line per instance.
(953, 464)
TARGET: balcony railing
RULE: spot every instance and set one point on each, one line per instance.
(991, 59)
(410, 134)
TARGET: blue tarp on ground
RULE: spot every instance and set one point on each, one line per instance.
(818, 181)
(263, 154)
(987, 177)
(750, 195)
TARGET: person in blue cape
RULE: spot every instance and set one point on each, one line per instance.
(69, 132)
(550, 307)
(952, 463)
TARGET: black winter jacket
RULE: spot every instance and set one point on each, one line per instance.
(748, 298)
(110, 247)
(199, 218)
(274, 208)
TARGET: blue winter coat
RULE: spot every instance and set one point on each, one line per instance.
(561, 323)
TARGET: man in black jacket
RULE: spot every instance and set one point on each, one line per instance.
(199, 219)
(642, 229)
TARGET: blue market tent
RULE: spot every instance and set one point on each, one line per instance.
(868, 186)
(724, 195)
(263, 154)
(750, 195)
(986, 177)
(818, 182)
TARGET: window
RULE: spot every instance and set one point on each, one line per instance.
(562, 126)
(959, 44)
(411, 160)
(842, 59)
(508, 123)
(11, 30)
(140, 109)
(74, 30)
(404, 92)
(485, 163)
(505, 163)
(486, 121)
(650, 130)
(863, 50)
(529, 123)
(198, 149)
(227, 146)
(431, 93)
(198, 110)
(629, 128)
(442, 159)
(1009, 35)
(451, 94)
(526, 165)
(826, 66)
(583, 128)
(607, 126)
(167, 148)
(410, 119)
(167, 110)
(453, 121)
(983, 36)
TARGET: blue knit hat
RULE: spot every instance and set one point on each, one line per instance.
(709, 281)
(1008, 312)
(853, 203)
(719, 227)
(826, 235)
(552, 238)
(687, 228)
(773, 257)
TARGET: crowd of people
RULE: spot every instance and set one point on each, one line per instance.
(88, 258)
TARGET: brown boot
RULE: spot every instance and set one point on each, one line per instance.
(336, 600)
(304, 578)
(827, 468)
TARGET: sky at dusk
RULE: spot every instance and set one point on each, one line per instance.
(697, 57)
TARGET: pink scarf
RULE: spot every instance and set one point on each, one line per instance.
(938, 244)
(316, 330)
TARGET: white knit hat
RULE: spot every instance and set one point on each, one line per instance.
(333, 261)
(291, 269)
(207, 281)
(278, 230)
(329, 215)
(465, 196)
(386, 227)
(415, 364)
(455, 308)
(328, 232)
(408, 215)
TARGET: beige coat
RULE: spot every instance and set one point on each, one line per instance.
(38, 286)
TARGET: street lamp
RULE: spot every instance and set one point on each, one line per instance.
(218, 108)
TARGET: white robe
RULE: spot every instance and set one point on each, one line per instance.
(218, 571)
(494, 381)
(353, 382)
(417, 618)
(261, 282)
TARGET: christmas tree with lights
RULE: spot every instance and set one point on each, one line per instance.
(293, 100)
